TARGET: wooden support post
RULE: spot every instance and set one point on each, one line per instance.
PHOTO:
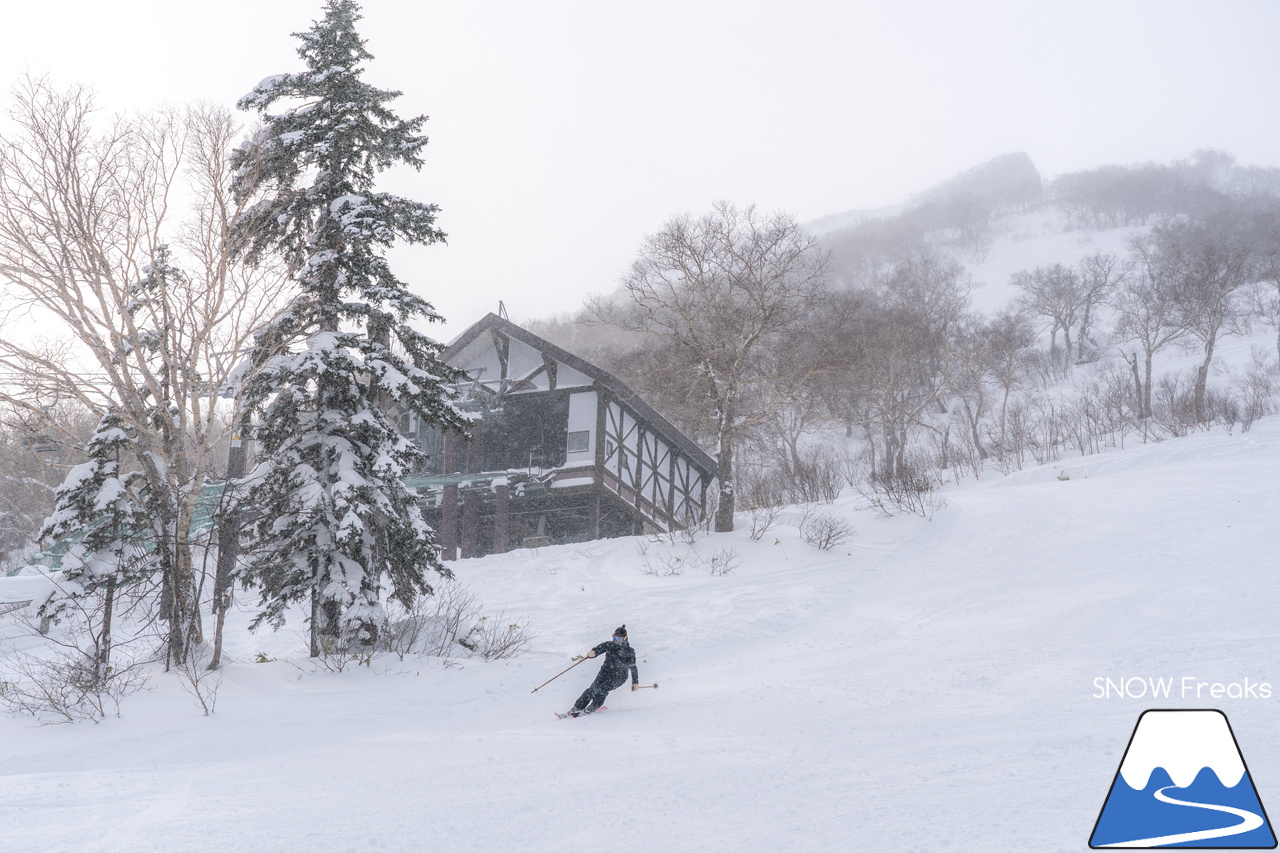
(449, 523)
(671, 492)
(595, 515)
(501, 509)
(449, 500)
(452, 444)
(470, 523)
(475, 449)
(638, 478)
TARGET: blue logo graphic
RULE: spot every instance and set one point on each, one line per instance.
(1183, 783)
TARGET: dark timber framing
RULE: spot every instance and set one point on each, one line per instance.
(636, 472)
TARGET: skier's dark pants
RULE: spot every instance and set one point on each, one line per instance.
(593, 697)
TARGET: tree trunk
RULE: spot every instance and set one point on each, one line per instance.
(887, 470)
(185, 630)
(1146, 388)
(726, 414)
(1004, 412)
(102, 665)
(315, 623)
(228, 548)
(972, 420)
(900, 464)
(874, 473)
(1132, 361)
(1083, 337)
(724, 475)
(220, 620)
(1202, 381)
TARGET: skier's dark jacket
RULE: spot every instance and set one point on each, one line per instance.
(618, 658)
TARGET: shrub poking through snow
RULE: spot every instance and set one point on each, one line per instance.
(669, 563)
(450, 620)
(824, 531)
(722, 562)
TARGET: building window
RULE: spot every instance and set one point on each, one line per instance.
(580, 441)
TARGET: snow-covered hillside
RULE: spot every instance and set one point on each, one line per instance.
(1029, 240)
(926, 686)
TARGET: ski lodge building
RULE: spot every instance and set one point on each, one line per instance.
(563, 452)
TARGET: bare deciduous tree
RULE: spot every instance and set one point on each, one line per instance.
(722, 288)
(1057, 293)
(1264, 296)
(1007, 342)
(1100, 274)
(908, 342)
(151, 315)
(1147, 317)
(1202, 263)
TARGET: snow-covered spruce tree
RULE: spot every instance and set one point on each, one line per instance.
(334, 519)
(103, 506)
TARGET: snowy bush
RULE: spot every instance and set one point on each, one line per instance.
(197, 679)
(666, 564)
(450, 619)
(1173, 404)
(432, 625)
(762, 519)
(1256, 390)
(824, 531)
(83, 669)
(808, 474)
(722, 562)
(817, 475)
(670, 563)
(67, 686)
(54, 690)
(497, 639)
(913, 488)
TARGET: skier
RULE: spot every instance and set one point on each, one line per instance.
(618, 657)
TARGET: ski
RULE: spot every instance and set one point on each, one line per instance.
(567, 716)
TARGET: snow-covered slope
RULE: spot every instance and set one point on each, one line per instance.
(926, 686)
(1029, 240)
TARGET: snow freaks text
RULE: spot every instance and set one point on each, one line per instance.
(1186, 687)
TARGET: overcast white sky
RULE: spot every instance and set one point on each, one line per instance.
(562, 132)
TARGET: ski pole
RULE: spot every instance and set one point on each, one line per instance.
(554, 677)
(645, 686)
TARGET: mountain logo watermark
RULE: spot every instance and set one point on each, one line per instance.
(1183, 783)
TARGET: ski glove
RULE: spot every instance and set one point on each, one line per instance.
(634, 686)
(591, 653)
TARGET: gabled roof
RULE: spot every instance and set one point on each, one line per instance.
(493, 323)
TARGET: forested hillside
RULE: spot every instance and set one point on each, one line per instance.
(995, 321)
